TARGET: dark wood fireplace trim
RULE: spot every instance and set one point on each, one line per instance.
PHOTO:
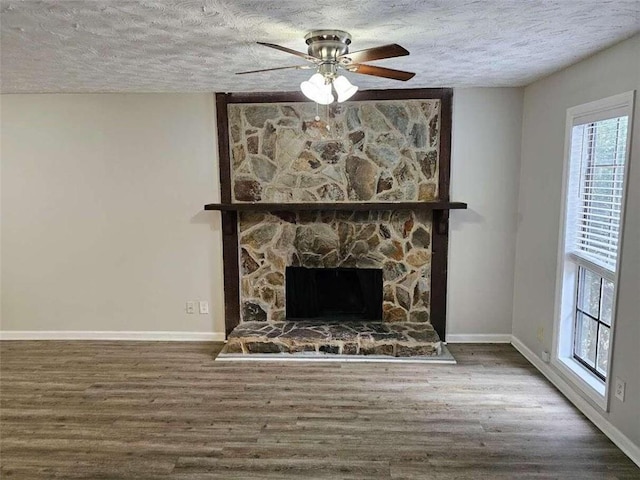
(440, 232)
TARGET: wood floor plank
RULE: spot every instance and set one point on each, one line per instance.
(166, 410)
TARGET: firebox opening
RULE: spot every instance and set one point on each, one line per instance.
(347, 294)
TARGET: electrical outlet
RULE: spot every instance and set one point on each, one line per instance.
(620, 385)
(540, 334)
(204, 307)
(191, 307)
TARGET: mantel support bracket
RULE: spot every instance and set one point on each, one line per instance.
(441, 221)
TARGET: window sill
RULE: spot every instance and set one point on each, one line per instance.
(590, 385)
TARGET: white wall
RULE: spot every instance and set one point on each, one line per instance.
(103, 228)
(485, 166)
(612, 71)
(102, 220)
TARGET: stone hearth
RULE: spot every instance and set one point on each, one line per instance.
(341, 338)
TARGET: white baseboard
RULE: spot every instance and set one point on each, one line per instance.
(616, 436)
(478, 338)
(112, 335)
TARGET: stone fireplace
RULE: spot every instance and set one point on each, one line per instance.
(360, 186)
(398, 243)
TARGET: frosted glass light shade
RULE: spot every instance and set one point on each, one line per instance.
(344, 88)
(317, 90)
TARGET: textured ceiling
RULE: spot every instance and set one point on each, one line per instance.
(197, 45)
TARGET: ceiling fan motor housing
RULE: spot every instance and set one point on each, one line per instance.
(328, 45)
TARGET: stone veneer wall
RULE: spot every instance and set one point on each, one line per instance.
(398, 242)
(360, 151)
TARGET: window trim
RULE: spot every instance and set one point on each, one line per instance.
(589, 384)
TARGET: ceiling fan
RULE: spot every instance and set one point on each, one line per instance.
(329, 52)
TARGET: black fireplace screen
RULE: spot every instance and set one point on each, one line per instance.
(333, 293)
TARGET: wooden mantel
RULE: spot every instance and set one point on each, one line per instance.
(440, 208)
(335, 206)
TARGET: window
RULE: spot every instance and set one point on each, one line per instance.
(592, 329)
(597, 158)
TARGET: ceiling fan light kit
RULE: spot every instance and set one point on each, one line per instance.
(317, 89)
(344, 88)
(329, 51)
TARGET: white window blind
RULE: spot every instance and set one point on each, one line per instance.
(596, 189)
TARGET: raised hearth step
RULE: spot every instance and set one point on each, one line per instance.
(340, 338)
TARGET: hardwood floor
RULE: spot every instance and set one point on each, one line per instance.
(124, 410)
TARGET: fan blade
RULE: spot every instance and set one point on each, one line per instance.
(380, 72)
(297, 67)
(376, 53)
(288, 50)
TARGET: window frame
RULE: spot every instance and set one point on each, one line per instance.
(590, 384)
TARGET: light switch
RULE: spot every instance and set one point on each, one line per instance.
(204, 307)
